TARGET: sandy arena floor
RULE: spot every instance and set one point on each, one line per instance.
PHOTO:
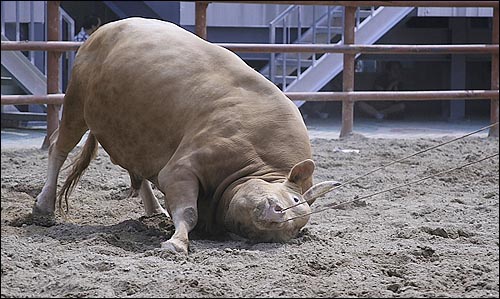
(439, 238)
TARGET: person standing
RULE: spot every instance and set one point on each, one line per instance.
(90, 24)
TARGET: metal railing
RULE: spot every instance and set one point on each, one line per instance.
(349, 50)
(320, 29)
(66, 33)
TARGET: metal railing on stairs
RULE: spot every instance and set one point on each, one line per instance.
(324, 27)
(26, 21)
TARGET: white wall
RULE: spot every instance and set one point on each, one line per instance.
(244, 15)
(455, 12)
(9, 11)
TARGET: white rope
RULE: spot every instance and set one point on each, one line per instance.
(331, 206)
(393, 162)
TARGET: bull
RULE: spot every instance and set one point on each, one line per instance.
(227, 148)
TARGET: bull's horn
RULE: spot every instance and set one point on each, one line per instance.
(319, 190)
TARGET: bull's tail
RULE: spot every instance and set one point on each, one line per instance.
(79, 165)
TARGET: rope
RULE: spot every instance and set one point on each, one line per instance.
(331, 206)
(393, 162)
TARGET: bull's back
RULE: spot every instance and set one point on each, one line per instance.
(150, 86)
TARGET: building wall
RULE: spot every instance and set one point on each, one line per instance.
(246, 15)
(455, 12)
(9, 11)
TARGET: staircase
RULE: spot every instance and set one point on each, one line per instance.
(310, 72)
(23, 71)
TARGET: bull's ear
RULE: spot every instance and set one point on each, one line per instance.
(301, 171)
(319, 190)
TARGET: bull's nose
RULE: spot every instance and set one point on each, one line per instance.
(274, 212)
(274, 206)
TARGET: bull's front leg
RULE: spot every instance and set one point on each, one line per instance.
(180, 186)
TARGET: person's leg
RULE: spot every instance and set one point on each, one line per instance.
(370, 110)
(394, 109)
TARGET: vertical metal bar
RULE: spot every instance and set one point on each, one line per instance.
(52, 69)
(348, 73)
(201, 19)
(342, 24)
(32, 29)
(289, 31)
(3, 16)
(358, 13)
(272, 58)
(18, 29)
(272, 61)
(63, 54)
(283, 55)
(494, 74)
(329, 24)
(314, 24)
(45, 30)
(299, 23)
(299, 40)
(314, 33)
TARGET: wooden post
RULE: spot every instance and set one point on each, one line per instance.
(201, 19)
(52, 69)
(348, 72)
(494, 74)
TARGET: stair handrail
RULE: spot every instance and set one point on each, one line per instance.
(360, 22)
(64, 20)
(282, 18)
(317, 22)
(272, 36)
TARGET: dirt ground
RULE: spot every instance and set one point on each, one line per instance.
(439, 238)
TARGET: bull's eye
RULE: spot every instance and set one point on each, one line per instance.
(296, 199)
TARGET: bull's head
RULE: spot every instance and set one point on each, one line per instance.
(260, 211)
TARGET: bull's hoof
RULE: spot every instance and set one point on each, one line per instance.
(46, 220)
(175, 246)
(41, 212)
(42, 217)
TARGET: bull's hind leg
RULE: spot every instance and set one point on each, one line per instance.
(68, 135)
(180, 187)
(151, 204)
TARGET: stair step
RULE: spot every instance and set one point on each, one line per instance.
(293, 62)
(24, 116)
(334, 29)
(279, 79)
(321, 38)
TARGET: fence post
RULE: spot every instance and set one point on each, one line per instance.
(494, 74)
(52, 69)
(348, 72)
(201, 19)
